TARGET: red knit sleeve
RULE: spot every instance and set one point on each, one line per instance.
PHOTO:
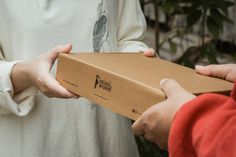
(205, 127)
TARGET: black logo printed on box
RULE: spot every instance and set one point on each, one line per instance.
(102, 83)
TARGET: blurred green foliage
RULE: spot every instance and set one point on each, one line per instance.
(211, 14)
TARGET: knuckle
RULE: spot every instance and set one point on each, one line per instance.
(58, 48)
(39, 81)
(42, 85)
(146, 124)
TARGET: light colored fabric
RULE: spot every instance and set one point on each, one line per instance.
(131, 28)
(21, 103)
(32, 125)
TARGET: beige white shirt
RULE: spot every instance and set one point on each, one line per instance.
(32, 125)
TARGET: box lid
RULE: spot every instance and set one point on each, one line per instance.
(150, 70)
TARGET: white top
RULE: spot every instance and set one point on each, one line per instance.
(32, 125)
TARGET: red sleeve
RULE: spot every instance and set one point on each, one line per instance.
(205, 127)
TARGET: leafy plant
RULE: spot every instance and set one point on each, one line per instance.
(211, 14)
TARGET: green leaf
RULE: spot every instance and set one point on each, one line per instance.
(193, 18)
(173, 47)
(195, 4)
(227, 19)
(211, 53)
(213, 27)
(218, 16)
(187, 59)
(177, 7)
(186, 10)
(205, 3)
(167, 7)
(222, 5)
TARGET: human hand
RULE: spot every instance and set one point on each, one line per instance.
(149, 53)
(37, 73)
(155, 123)
(223, 71)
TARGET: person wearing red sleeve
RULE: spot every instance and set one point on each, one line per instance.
(190, 126)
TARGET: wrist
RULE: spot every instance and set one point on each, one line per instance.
(20, 77)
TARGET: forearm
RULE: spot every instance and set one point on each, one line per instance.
(20, 78)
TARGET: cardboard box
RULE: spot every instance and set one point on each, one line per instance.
(128, 83)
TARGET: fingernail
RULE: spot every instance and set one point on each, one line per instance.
(163, 81)
(199, 67)
(134, 124)
(153, 51)
(67, 45)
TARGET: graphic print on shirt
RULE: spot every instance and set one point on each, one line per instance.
(100, 31)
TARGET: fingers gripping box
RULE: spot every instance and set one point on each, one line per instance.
(128, 83)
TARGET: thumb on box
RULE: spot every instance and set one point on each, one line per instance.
(171, 87)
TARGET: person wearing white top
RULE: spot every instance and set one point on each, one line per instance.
(38, 117)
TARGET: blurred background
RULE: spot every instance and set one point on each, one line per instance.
(189, 32)
(196, 31)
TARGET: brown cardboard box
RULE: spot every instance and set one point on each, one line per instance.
(128, 83)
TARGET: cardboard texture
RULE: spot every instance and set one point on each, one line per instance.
(128, 83)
